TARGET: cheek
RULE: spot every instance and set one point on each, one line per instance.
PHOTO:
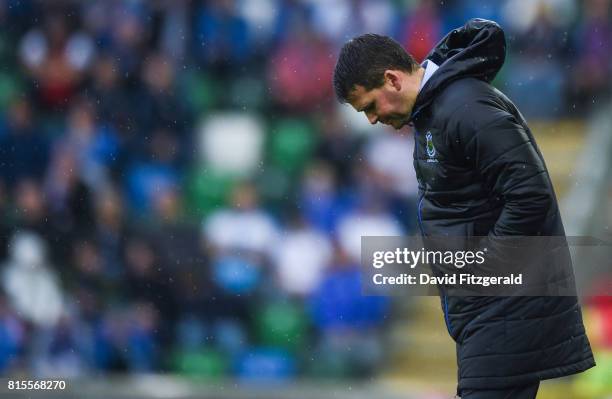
(386, 107)
(393, 105)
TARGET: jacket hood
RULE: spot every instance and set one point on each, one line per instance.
(477, 49)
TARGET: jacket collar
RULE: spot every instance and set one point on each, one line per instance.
(430, 68)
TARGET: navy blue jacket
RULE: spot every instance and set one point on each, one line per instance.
(481, 173)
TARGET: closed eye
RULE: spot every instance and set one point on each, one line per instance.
(369, 108)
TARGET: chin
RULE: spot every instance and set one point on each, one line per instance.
(398, 125)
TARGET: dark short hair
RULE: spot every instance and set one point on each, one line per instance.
(363, 61)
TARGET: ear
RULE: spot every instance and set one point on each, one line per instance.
(393, 78)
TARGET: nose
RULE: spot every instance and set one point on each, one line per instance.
(372, 118)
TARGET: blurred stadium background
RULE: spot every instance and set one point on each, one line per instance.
(182, 199)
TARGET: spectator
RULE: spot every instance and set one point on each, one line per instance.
(300, 71)
(422, 29)
(31, 285)
(88, 282)
(106, 90)
(221, 36)
(12, 337)
(61, 350)
(302, 256)
(156, 172)
(23, 149)
(157, 104)
(142, 354)
(337, 146)
(146, 277)
(93, 145)
(243, 227)
(109, 230)
(385, 155)
(347, 319)
(57, 59)
(321, 201)
(30, 209)
(368, 219)
(342, 19)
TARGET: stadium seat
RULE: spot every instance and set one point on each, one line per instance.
(231, 143)
(247, 92)
(291, 145)
(236, 275)
(201, 91)
(281, 324)
(207, 191)
(203, 363)
(265, 365)
(9, 88)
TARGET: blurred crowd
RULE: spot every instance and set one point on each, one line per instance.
(180, 191)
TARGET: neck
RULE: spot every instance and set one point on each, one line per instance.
(420, 74)
(414, 88)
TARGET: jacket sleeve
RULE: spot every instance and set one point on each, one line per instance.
(507, 160)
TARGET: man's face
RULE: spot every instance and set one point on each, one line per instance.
(386, 104)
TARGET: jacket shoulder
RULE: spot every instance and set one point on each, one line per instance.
(459, 94)
(470, 104)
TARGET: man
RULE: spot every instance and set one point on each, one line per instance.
(480, 173)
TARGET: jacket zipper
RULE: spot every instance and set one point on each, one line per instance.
(444, 297)
(419, 214)
(420, 218)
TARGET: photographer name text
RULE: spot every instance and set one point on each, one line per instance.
(454, 279)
